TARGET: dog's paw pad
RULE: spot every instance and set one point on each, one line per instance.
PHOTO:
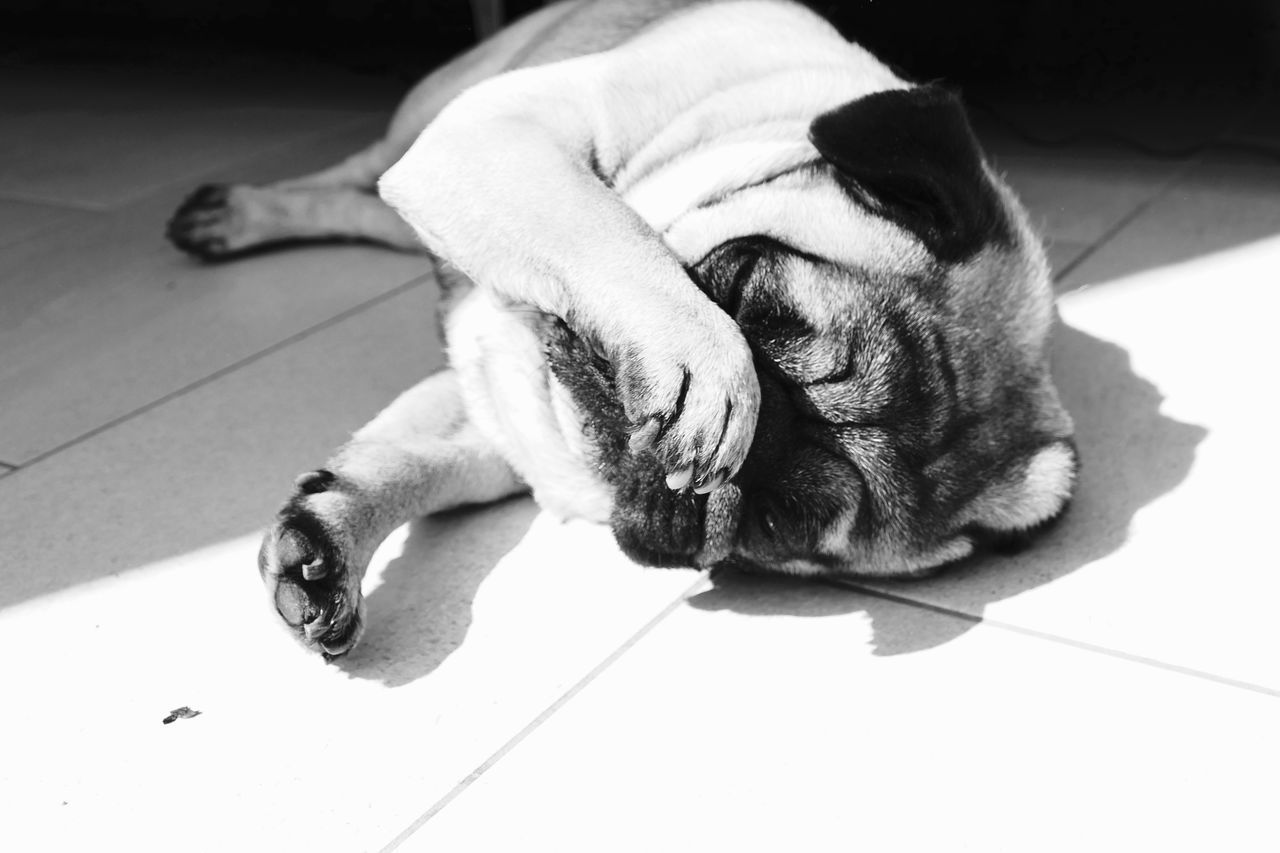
(305, 568)
(294, 605)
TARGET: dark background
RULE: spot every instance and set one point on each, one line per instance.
(1086, 47)
(1166, 76)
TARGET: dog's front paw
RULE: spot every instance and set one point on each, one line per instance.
(693, 399)
(311, 567)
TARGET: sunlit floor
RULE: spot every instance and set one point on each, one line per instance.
(522, 686)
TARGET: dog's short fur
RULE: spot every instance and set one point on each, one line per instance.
(715, 276)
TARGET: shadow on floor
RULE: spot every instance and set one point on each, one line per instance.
(1131, 455)
(421, 612)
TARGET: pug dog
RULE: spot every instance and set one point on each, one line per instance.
(713, 276)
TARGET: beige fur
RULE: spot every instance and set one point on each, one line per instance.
(578, 166)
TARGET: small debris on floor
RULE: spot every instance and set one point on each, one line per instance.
(182, 713)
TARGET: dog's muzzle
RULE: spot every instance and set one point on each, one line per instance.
(658, 527)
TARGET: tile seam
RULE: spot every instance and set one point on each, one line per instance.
(223, 371)
(1091, 249)
(62, 205)
(1060, 640)
(546, 713)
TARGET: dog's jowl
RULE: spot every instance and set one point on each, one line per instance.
(714, 276)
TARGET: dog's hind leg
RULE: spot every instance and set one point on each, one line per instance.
(501, 52)
(220, 221)
(420, 455)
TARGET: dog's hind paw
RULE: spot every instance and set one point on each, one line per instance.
(308, 562)
(694, 405)
(213, 223)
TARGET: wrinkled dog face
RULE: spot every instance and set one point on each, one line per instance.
(907, 411)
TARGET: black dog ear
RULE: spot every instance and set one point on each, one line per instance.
(911, 155)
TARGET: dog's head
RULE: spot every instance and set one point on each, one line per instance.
(899, 309)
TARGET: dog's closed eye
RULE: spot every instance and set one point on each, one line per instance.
(726, 274)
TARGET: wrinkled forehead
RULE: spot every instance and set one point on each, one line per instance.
(830, 241)
(807, 211)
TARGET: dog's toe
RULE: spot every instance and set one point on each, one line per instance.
(204, 247)
(294, 605)
(694, 406)
(205, 197)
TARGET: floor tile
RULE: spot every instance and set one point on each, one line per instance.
(1063, 254)
(211, 464)
(1149, 128)
(131, 587)
(287, 752)
(1162, 359)
(1078, 200)
(19, 220)
(1213, 206)
(604, 713)
(758, 717)
(78, 140)
(89, 335)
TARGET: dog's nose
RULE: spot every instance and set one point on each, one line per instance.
(650, 545)
(654, 525)
(659, 527)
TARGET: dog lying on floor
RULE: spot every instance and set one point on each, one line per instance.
(714, 276)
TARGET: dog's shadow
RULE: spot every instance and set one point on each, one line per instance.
(420, 613)
(1131, 454)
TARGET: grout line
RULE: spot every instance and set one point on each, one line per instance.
(1055, 638)
(57, 203)
(223, 371)
(1110, 234)
(703, 580)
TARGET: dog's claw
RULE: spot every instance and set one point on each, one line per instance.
(314, 570)
(644, 436)
(316, 629)
(677, 480)
(709, 484)
(346, 639)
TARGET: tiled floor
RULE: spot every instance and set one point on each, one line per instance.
(524, 687)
